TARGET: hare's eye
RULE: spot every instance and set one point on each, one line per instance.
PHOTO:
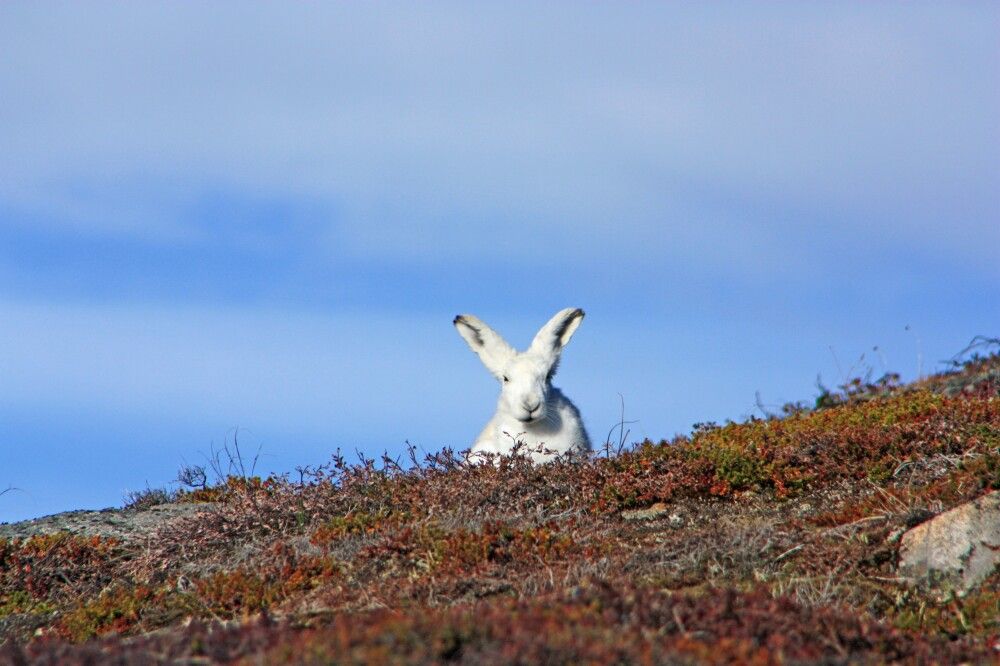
(505, 379)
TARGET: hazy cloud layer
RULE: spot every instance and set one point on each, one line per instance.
(654, 132)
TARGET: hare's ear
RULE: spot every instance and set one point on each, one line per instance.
(492, 349)
(552, 337)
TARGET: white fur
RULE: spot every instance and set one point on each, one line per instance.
(530, 410)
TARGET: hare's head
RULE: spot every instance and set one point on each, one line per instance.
(525, 377)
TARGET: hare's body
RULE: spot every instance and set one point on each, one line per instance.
(560, 431)
(530, 411)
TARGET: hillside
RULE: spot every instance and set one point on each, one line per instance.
(771, 541)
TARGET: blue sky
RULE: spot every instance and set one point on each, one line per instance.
(266, 216)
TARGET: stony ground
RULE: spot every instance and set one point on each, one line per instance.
(125, 525)
(771, 541)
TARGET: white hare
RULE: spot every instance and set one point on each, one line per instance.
(530, 410)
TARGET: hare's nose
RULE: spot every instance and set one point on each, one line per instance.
(532, 405)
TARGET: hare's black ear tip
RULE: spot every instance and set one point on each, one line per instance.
(579, 313)
(458, 319)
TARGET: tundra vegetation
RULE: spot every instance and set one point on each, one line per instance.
(774, 540)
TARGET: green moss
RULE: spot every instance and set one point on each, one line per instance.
(244, 591)
(229, 593)
(354, 523)
(880, 471)
(740, 469)
(976, 614)
(19, 601)
(117, 610)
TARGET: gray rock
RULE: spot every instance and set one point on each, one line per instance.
(956, 549)
(651, 513)
(122, 524)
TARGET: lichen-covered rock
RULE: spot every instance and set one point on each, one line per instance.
(121, 524)
(958, 548)
(651, 513)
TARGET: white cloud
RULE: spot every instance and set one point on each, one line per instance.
(640, 130)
